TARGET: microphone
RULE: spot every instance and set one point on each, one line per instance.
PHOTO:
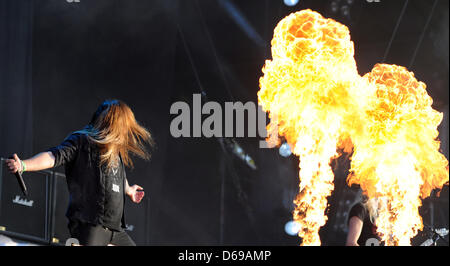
(20, 180)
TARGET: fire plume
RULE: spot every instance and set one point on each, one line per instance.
(397, 157)
(320, 104)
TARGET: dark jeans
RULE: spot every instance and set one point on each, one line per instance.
(98, 235)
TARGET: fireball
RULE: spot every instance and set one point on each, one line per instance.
(320, 104)
(397, 157)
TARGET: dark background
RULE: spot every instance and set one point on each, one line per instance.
(60, 60)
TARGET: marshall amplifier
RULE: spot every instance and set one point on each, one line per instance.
(25, 217)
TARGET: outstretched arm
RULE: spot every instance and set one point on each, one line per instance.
(40, 161)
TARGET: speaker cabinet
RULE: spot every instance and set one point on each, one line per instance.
(22, 216)
(59, 232)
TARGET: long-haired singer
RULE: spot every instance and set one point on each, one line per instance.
(95, 159)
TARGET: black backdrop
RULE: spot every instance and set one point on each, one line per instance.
(59, 60)
(16, 26)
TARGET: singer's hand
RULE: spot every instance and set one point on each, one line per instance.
(14, 165)
(135, 193)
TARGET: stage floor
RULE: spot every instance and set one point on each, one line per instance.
(8, 241)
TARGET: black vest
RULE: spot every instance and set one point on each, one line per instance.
(85, 179)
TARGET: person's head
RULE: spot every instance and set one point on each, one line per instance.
(372, 205)
(114, 128)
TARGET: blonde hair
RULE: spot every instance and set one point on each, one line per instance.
(115, 130)
(372, 208)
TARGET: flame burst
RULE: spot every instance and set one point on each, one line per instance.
(397, 157)
(317, 100)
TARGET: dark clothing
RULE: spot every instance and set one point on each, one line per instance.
(92, 197)
(369, 230)
(114, 197)
(98, 235)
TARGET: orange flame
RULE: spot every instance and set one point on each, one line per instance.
(319, 103)
(397, 156)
